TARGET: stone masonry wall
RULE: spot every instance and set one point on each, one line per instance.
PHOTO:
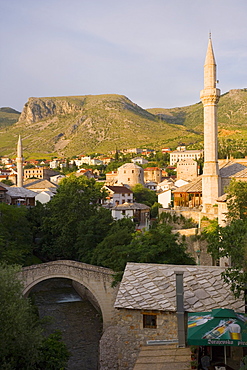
(120, 344)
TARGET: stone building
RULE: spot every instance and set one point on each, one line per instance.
(147, 314)
(130, 174)
(187, 169)
(152, 174)
(39, 173)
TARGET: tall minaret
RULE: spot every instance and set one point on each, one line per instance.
(19, 162)
(210, 96)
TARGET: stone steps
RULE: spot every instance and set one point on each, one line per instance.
(163, 357)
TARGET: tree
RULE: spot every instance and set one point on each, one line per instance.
(91, 232)
(237, 200)
(7, 182)
(160, 245)
(231, 241)
(77, 200)
(15, 235)
(22, 343)
(144, 195)
(113, 251)
(20, 334)
(123, 244)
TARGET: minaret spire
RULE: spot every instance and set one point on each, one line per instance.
(210, 96)
(19, 162)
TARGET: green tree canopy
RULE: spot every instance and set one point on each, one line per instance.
(231, 241)
(123, 244)
(15, 234)
(144, 195)
(22, 343)
(237, 200)
(76, 201)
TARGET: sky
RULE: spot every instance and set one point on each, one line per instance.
(153, 52)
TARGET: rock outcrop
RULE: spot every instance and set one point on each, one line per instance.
(37, 109)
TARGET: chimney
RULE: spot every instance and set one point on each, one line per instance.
(180, 308)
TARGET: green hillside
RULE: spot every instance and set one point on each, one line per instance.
(232, 115)
(8, 116)
(100, 123)
(77, 125)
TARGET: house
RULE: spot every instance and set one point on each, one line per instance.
(40, 185)
(118, 195)
(84, 172)
(151, 185)
(165, 185)
(56, 179)
(139, 213)
(153, 174)
(152, 304)
(189, 195)
(17, 196)
(111, 177)
(55, 163)
(139, 160)
(39, 173)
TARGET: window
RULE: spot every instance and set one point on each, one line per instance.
(150, 321)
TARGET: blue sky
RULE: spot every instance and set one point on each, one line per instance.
(150, 51)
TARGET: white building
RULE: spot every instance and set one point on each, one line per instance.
(118, 195)
(182, 154)
(139, 160)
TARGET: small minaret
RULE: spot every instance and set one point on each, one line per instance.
(210, 96)
(19, 162)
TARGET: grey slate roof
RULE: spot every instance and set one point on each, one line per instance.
(230, 169)
(16, 192)
(194, 186)
(152, 287)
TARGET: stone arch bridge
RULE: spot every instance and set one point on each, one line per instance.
(97, 281)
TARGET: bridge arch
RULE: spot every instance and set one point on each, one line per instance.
(97, 280)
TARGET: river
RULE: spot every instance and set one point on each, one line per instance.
(77, 319)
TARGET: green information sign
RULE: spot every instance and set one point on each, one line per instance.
(220, 327)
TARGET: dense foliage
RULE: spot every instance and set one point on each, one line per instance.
(15, 235)
(231, 241)
(144, 195)
(22, 343)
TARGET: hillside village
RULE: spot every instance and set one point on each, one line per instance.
(157, 304)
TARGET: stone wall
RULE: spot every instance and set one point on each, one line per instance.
(120, 344)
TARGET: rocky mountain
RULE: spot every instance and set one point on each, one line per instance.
(99, 123)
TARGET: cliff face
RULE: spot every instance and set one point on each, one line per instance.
(37, 109)
(84, 124)
(99, 123)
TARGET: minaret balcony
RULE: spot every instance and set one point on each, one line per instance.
(210, 96)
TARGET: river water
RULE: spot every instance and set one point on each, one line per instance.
(77, 319)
